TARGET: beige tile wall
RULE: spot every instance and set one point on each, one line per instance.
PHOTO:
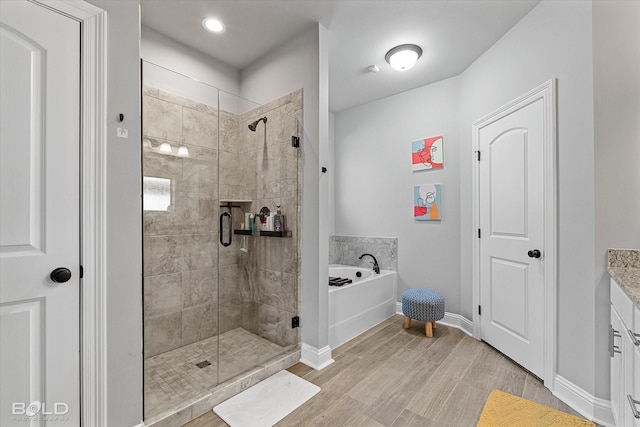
(180, 245)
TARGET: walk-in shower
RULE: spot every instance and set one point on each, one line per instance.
(219, 296)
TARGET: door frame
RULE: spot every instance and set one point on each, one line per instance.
(93, 179)
(546, 92)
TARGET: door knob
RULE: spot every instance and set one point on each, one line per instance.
(535, 253)
(60, 275)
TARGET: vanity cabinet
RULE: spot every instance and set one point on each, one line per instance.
(624, 349)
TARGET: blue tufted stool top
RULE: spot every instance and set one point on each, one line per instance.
(424, 305)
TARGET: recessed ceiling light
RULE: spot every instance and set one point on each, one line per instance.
(213, 25)
(403, 57)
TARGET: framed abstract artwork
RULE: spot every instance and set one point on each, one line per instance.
(426, 202)
(427, 154)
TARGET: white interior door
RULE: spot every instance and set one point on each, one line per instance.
(39, 216)
(511, 218)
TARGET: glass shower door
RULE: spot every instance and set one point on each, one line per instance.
(258, 285)
(180, 199)
(220, 296)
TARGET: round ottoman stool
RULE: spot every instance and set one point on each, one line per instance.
(424, 305)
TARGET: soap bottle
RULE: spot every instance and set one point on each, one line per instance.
(257, 223)
(252, 223)
(269, 222)
(277, 220)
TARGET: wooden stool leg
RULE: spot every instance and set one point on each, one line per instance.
(407, 322)
(434, 325)
(429, 329)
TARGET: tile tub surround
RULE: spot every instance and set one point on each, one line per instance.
(346, 250)
(182, 261)
(624, 268)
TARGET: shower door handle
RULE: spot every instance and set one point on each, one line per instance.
(230, 228)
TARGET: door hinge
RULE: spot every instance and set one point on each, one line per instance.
(295, 141)
(295, 321)
(479, 234)
(478, 154)
(479, 310)
(81, 272)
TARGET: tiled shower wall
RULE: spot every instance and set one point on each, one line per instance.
(347, 249)
(259, 289)
(269, 175)
(180, 244)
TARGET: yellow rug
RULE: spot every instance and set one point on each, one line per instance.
(506, 410)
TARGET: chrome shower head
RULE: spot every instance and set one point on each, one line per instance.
(253, 125)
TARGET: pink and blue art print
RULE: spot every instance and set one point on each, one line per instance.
(426, 202)
(427, 154)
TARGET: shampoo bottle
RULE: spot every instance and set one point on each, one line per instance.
(270, 223)
(258, 224)
(277, 220)
(252, 223)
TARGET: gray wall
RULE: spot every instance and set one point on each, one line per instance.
(124, 234)
(162, 50)
(616, 92)
(374, 183)
(331, 176)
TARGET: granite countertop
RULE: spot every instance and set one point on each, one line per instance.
(624, 268)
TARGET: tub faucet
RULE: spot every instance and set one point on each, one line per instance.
(376, 267)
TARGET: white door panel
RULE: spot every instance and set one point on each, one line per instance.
(39, 215)
(21, 186)
(511, 203)
(509, 295)
(508, 187)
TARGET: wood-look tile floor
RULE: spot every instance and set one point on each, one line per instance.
(391, 376)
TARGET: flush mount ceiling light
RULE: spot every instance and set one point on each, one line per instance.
(213, 25)
(403, 57)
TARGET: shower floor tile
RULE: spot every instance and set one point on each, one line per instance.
(173, 378)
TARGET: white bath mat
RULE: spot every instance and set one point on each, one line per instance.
(267, 402)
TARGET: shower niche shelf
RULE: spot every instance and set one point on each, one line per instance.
(285, 233)
(233, 203)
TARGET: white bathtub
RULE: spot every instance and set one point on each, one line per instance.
(360, 305)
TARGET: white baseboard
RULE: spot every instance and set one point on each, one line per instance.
(316, 358)
(450, 319)
(458, 321)
(591, 407)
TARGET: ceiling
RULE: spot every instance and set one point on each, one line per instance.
(452, 34)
